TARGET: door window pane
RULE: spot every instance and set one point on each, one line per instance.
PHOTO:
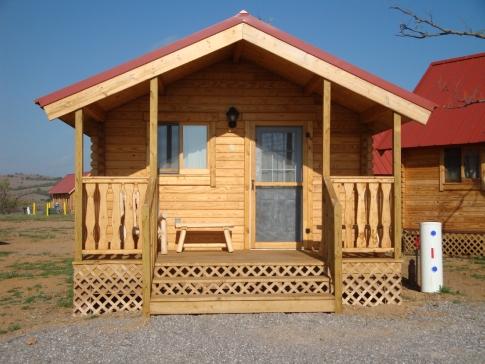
(195, 146)
(452, 165)
(168, 147)
(278, 154)
(471, 164)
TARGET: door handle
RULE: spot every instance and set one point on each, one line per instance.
(252, 184)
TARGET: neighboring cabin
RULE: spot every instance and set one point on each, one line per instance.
(63, 192)
(444, 161)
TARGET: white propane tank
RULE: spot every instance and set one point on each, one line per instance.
(431, 257)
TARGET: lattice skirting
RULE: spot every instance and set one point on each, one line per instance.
(455, 244)
(104, 287)
(260, 279)
(371, 283)
(229, 271)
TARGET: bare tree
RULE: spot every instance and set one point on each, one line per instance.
(421, 28)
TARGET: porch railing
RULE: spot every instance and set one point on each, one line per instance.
(366, 213)
(149, 223)
(112, 214)
(332, 236)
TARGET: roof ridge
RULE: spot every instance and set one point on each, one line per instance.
(458, 59)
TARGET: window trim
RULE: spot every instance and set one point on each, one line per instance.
(464, 183)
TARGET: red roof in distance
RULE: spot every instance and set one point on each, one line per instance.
(241, 17)
(65, 185)
(456, 85)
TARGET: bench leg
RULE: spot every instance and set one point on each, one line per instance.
(227, 235)
(180, 245)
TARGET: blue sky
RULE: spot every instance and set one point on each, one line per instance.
(46, 45)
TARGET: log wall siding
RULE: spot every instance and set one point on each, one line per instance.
(205, 96)
(423, 201)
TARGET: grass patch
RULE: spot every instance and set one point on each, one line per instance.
(38, 217)
(5, 254)
(448, 290)
(478, 276)
(12, 327)
(39, 269)
(40, 297)
(479, 261)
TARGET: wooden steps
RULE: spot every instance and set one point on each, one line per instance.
(252, 282)
(242, 304)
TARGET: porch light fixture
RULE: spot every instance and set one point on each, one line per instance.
(232, 116)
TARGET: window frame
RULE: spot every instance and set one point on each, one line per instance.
(181, 168)
(464, 183)
(183, 172)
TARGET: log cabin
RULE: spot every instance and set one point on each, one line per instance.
(231, 172)
(443, 163)
(63, 192)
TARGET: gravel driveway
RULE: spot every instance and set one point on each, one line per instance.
(442, 332)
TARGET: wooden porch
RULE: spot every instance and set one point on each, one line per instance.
(244, 281)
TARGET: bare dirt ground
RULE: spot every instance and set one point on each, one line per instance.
(36, 278)
(35, 272)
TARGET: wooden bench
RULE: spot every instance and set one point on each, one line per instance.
(184, 227)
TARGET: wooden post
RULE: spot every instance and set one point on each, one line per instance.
(396, 161)
(326, 104)
(150, 218)
(153, 128)
(146, 264)
(78, 185)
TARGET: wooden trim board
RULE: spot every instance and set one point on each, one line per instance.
(246, 304)
(224, 39)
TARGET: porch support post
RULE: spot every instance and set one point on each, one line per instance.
(78, 184)
(326, 104)
(153, 129)
(150, 208)
(396, 158)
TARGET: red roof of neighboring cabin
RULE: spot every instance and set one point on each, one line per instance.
(242, 17)
(455, 85)
(65, 185)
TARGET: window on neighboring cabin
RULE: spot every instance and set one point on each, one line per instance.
(182, 147)
(452, 165)
(461, 164)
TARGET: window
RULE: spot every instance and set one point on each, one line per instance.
(460, 168)
(471, 164)
(168, 147)
(453, 164)
(195, 146)
(182, 147)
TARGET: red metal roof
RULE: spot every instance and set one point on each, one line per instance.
(242, 17)
(450, 83)
(382, 162)
(65, 185)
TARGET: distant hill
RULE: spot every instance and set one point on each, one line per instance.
(30, 187)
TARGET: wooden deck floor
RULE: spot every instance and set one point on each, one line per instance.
(240, 257)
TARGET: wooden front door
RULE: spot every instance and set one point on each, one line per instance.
(277, 186)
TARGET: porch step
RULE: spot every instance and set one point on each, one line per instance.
(203, 286)
(242, 303)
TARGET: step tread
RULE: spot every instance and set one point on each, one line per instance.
(244, 297)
